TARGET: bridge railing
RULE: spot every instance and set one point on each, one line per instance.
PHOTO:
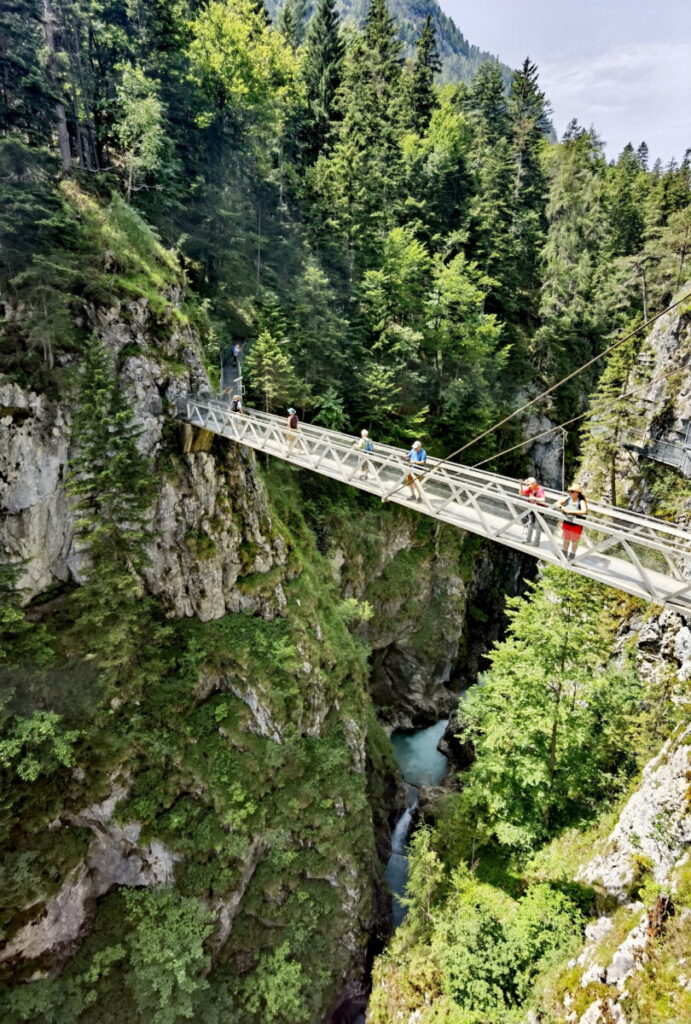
(652, 557)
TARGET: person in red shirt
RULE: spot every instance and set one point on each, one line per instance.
(535, 493)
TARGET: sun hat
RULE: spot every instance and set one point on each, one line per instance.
(577, 488)
(416, 444)
(364, 433)
(530, 480)
(291, 411)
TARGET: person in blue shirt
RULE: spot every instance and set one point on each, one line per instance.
(417, 457)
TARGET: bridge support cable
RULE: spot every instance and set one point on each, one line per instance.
(554, 387)
(589, 413)
(638, 554)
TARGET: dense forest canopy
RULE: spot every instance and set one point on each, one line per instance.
(417, 247)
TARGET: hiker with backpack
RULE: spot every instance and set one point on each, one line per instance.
(416, 459)
(236, 404)
(574, 509)
(364, 445)
(293, 425)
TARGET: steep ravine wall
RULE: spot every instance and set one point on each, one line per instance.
(437, 598)
(272, 702)
(256, 780)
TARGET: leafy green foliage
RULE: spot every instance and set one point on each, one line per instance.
(37, 745)
(166, 953)
(544, 720)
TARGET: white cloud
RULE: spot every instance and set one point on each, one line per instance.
(629, 93)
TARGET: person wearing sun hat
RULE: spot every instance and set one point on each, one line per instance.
(574, 508)
(293, 425)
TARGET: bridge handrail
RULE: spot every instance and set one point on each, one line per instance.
(602, 517)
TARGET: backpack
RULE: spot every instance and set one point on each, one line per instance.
(368, 446)
(235, 406)
(294, 422)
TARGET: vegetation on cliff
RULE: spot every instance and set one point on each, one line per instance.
(396, 254)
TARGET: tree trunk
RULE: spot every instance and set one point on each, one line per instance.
(552, 760)
(49, 22)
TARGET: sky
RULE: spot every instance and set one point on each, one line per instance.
(623, 66)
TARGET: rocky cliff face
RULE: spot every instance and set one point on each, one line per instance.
(436, 596)
(249, 792)
(211, 520)
(660, 411)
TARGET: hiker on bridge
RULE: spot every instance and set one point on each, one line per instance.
(363, 445)
(236, 404)
(416, 459)
(574, 508)
(535, 494)
(293, 425)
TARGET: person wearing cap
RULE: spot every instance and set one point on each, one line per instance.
(574, 508)
(535, 494)
(416, 458)
(293, 425)
(363, 445)
(236, 404)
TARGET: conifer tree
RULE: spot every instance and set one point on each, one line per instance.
(419, 96)
(529, 123)
(487, 100)
(569, 308)
(291, 21)
(625, 191)
(322, 72)
(359, 183)
(271, 374)
(111, 481)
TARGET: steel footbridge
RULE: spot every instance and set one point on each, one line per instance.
(638, 554)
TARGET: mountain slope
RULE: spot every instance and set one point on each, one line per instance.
(460, 58)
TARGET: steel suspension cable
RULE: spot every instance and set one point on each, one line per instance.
(575, 419)
(548, 391)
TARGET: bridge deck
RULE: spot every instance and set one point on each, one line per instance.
(638, 554)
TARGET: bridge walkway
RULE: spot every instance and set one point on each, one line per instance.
(639, 554)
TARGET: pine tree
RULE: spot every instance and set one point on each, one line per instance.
(529, 123)
(572, 324)
(111, 481)
(487, 100)
(626, 189)
(291, 21)
(419, 95)
(359, 182)
(271, 374)
(322, 72)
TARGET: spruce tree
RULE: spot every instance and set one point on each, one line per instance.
(572, 322)
(271, 373)
(291, 21)
(487, 101)
(112, 484)
(529, 123)
(322, 72)
(361, 179)
(419, 96)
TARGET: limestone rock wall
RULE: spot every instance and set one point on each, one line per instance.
(210, 520)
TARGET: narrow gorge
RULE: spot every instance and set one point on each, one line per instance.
(273, 750)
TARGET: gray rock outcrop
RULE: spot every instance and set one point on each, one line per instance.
(655, 823)
(114, 857)
(210, 520)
